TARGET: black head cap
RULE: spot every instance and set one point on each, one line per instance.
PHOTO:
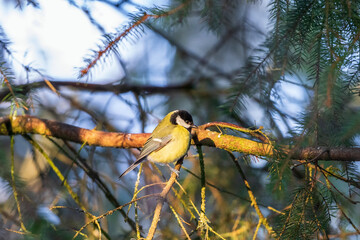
(184, 115)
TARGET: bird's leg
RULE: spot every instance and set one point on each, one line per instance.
(174, 170)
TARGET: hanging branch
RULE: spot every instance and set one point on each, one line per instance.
(262, 219)
(15, 192)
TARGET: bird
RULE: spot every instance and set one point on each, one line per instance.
(169, 142)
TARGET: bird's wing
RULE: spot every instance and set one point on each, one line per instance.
(151, 145)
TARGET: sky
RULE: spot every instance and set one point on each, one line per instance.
(58, 44)
(66, 39)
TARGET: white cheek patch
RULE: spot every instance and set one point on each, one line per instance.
(181, 122)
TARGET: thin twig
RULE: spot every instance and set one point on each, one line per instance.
(252, 197)
(203, 219)
(347, 218)
(14, 184)
(309, 161)
(96, 178)
(112, 211)
(257, 229)
(74, 196)
(161, 200)
(24, 89)
(257, 133)
(342, 194)
(218, 188)
(180, 222)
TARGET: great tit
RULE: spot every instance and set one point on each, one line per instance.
(169, 141)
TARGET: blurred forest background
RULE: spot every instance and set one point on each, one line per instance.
(291, 67)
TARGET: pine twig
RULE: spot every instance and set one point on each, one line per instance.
(145, 17)
(9, 87)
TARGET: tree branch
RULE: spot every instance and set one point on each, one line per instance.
(161, 201)
(92, 87)
(33, 125)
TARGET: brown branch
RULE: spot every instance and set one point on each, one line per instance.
(161, 201)
(328, 154)
(92, 87)
(33, 125)
(29, 124)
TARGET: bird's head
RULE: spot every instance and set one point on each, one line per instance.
(182, 118)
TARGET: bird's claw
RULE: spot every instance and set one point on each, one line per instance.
(177, 172)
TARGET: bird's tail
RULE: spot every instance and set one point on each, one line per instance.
(132, 166)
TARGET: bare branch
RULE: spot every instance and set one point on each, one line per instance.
(92, 87)
(161, 201)
(29, 124)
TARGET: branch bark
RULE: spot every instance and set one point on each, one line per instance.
(34, 125)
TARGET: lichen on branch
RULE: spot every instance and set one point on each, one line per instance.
(33, 125)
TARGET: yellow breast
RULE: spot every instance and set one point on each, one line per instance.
(175, 149)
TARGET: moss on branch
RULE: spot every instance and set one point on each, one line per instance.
(33, 125)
